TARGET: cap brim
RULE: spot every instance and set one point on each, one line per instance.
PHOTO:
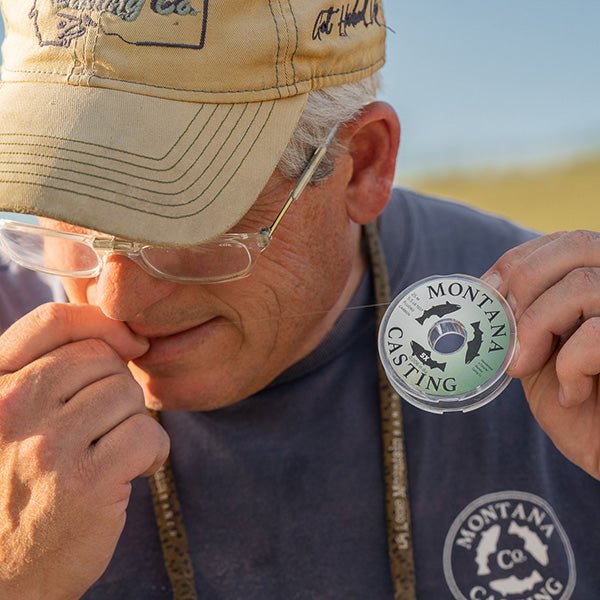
(134, 166)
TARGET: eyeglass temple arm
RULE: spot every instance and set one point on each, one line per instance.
(304, 180)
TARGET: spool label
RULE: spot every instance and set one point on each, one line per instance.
(447, 338)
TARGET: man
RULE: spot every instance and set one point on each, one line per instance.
(247, 321)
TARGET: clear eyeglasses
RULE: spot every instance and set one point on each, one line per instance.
(226, 258)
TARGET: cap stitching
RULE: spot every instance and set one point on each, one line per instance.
(243, 159)
(137, 187)
(74, 52)
(85, 52)
(296, 46)
(159, 159)
(265, 89)
(83, 39)
(278, 49)
(96, 36)
(6, 69)
(316, 77)
(140, 210)
(165, 194)
(81, 42)
(89, 164)
(287, 45)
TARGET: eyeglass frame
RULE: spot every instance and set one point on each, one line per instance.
(109, 245)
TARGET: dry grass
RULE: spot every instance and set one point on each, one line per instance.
(563, 196)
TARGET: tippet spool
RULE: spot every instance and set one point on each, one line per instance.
(446, 342)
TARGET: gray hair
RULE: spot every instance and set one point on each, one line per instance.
(324, 109)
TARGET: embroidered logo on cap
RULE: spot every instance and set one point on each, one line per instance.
(167, 23)
(128, 10)
(508, 545)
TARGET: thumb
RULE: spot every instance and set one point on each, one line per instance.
(52, 325)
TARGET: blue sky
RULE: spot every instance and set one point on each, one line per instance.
(482, 83)
(493, 83)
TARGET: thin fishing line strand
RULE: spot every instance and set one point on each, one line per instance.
(312, 313)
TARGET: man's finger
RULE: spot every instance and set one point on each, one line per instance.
(556, 313)
(531, 269)
(53, 325)
(51, 381)
(578, 364)
(136, 447)
(498, 275)
(101, 406)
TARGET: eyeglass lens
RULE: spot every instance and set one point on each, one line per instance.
(215, 260)
(34, 249)
(72, 256)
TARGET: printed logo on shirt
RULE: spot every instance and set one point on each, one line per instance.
(509, 546)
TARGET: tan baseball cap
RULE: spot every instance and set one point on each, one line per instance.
(162, 120)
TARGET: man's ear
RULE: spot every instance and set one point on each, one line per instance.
(372, 140)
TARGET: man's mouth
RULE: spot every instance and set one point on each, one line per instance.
(172, 346)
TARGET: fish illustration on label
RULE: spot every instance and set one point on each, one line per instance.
(474, 345)
(425, 356)
(440, 310)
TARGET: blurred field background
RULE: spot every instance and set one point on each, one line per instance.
(561, 195)
(500, 105)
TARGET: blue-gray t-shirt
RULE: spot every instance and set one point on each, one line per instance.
(283, 497)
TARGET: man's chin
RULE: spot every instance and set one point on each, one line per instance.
(181, 387)
(174, 393)
(168, 397)
(160, 402)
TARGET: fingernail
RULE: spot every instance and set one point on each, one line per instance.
(493, 280)
(141, 340)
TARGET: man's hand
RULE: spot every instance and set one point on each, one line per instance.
(553, 286)
(73, 434)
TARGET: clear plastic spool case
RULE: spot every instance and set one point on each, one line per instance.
(446, 341)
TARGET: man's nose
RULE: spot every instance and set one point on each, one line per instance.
(123, 290)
